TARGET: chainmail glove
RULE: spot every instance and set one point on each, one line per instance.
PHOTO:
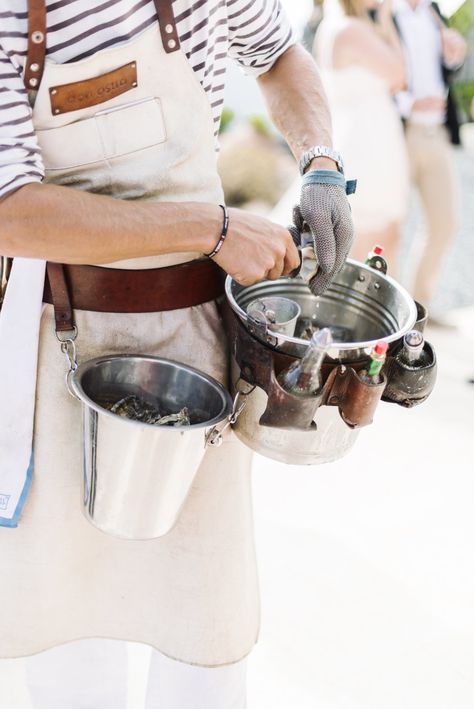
(325, 212)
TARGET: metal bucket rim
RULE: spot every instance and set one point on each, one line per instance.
(79, 392)
(342, 345)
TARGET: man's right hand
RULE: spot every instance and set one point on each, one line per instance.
(256, 249)
(429, 103)
(454, 48)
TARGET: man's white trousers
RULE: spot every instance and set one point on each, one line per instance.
(92, 674)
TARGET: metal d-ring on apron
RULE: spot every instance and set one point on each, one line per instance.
(65, 329)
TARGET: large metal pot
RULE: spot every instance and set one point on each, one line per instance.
(361, 307)
(137, 476)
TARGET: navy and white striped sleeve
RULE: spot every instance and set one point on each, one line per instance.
(259, 33)
(20, 159)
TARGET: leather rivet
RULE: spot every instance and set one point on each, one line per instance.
(169, 29)
(33, 82)
(35, 67)
(37, 37)
(54, 91)
(134, 84)
(171, 43)
(56, 110)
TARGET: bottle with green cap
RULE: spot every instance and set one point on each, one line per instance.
(372, 374)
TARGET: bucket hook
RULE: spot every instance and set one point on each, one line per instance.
(215, 435)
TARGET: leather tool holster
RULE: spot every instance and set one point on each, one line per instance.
(410, 386)
(342, 386)
(407, 385)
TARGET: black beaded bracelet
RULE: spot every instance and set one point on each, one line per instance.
(225, 229)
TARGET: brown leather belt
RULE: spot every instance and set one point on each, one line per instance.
(117, 290)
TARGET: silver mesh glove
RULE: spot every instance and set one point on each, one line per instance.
(324, 211)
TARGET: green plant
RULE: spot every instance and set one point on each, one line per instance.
(227, 118)
(260, 124)
(464, 93)
(463, 19)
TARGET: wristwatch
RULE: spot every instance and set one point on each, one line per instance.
(320, 151)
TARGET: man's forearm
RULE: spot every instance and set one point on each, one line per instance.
(297, 103)
(71, 226)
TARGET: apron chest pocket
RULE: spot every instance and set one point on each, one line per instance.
(111, 133)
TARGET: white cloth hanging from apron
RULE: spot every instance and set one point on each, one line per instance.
(192, 594)
(19, 333)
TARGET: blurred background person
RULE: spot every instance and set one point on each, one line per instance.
(432, 52)
(312, 24)
(362, 64)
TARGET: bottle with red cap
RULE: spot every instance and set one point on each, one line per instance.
(372, 375)
(374, 257)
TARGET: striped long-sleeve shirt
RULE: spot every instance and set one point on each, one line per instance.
(253, 32)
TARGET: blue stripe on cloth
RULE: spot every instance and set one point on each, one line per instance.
(13, 522)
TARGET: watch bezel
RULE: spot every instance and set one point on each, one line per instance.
(320, 151)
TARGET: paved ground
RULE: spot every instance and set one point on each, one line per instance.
(367, 565)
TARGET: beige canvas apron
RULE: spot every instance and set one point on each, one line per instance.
(193, 593)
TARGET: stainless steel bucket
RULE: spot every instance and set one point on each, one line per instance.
(137, 476)
(361, 307)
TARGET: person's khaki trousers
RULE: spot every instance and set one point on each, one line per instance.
(432, 173)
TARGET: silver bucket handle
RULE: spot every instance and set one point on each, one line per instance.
(69, 350)
(215, 435)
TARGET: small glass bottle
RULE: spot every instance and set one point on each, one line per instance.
(412, 353)
(303, 377)
(372, 375)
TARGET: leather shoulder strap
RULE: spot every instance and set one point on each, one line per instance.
(36, 53)
(169, 33)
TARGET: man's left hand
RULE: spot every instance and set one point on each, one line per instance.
(324, 210)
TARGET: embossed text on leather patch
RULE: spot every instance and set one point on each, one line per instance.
(82, 94)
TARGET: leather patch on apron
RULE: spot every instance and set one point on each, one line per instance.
(91, 92)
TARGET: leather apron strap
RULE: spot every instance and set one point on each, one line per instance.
(36, 52)
(63, 313)
(169, 33)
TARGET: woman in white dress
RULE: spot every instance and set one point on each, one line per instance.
(362, 64)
